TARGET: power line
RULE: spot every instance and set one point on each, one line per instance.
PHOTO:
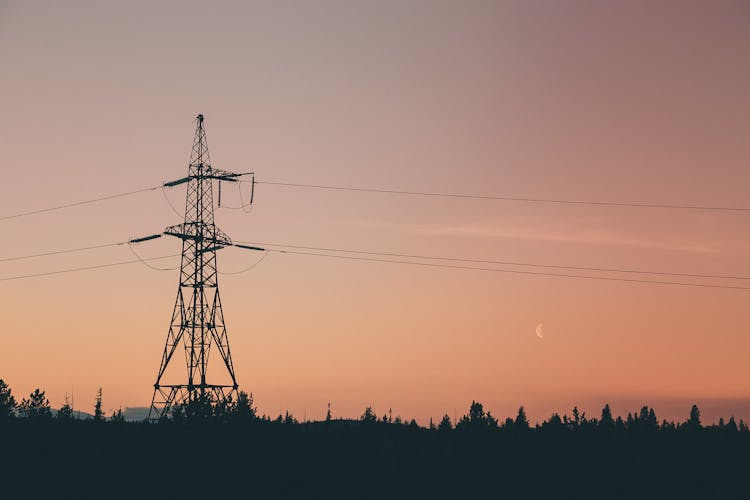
(513, 271)
(508, 198)
(400, 192)
(57, 252)
(504, 262)
(391, 254)
(78, 203)
(403, 262)
(79, 249)
(100, 266)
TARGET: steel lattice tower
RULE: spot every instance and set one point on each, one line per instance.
(197, 319)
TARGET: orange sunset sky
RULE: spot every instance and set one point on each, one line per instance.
(637, 101)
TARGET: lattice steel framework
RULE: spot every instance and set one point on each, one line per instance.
(197, 319)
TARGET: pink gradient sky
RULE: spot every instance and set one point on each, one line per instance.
(632, 101)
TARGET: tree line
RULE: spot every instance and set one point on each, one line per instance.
(36, 407)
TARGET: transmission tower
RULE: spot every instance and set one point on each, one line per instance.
(197, 321)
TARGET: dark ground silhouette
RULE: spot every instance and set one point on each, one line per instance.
(230, 452)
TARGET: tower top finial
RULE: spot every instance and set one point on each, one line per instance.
(200, 118)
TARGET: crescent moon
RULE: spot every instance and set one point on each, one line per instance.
(540, 330)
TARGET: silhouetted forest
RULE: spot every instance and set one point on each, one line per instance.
(229, 450)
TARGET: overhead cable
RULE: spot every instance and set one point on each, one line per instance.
(509, 197)
(507, 262)
(515, 271)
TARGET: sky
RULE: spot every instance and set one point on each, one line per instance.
(642, 102)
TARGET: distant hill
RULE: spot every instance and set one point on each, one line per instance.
(76, 414)
(135, 413)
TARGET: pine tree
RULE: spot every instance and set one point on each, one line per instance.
(98, 413)
(178, 414)
(630, 423)
(66, 411)
(554, 423)
(36, 407)
(491, 421)
(521, 423)
(575, 423)
(117, 417)
(244, 410)
(607, 423)
(694, 421)
(445, 423)
(7, 401)
(477, 417)
(731, 425)
(369, 415)
(619, 424)
(646, 420)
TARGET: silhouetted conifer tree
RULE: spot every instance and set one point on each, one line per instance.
(98, 413)
(554, 423)
(578, 419)
(369, 415)
(117, 417)
(445, 423)
(521, 423)
(694, 420)
(178, 414)
(196, 410)
(652, 423)
(731, 425)
(7, 401)
(36, 407)
(476, 414)
(630, 422)
(244, 411)
(222, 411)
(646, 420)
(668, 426)
(606, 423)
(619, 424)
(491, 421)
(66, 411)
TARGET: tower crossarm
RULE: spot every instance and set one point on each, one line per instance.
(222, 175)
(200, 232)
(208, 173)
